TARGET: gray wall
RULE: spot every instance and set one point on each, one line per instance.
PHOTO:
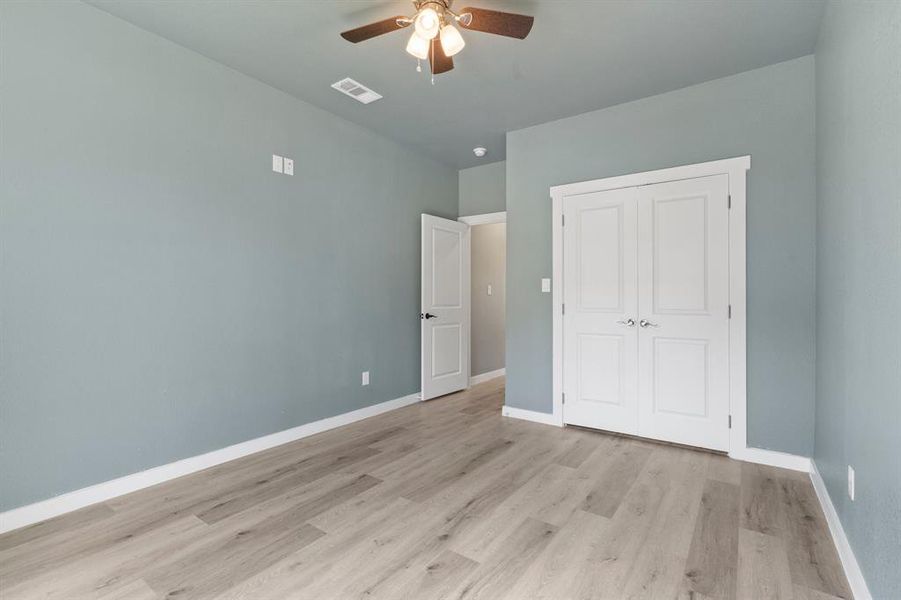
(483, 189)
(767, 113)
(489, 257)
(162, 292)
(858, 411)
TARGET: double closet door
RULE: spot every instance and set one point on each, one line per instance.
(646, 311)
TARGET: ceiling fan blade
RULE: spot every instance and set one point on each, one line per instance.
(500, 23)
(372, 30)
(440, 62)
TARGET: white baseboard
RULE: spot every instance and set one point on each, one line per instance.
(487, 376)
(849, 561)
(531, 415)
(772, 458)
(46, 509)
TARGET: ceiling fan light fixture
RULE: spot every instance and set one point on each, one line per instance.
(435, 23)
(427, 23)
(418, 47)
(451, 40)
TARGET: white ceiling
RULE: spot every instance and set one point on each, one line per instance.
(581, 55)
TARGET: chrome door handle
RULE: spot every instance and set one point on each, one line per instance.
(646, 323)
(628, 322)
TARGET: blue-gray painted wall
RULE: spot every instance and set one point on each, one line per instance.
(767, 113)
(483, 189)
(858, 409)
(163, 293)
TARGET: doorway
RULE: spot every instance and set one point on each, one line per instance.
(488, 235)
(649, 282)
(463, 302)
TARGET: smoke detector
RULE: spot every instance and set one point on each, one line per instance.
(480, 152)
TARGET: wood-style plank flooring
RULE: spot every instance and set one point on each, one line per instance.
(444, 499)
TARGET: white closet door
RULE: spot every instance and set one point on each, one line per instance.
(683, 291)
(599, 279)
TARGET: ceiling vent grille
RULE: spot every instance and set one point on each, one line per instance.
(356, 90)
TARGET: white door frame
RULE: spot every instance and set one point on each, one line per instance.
(483, 219)
(736, 169)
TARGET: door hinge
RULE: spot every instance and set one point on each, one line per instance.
(563, 309)
(729, 203)
(563, 398)
(730, 421)
(730, 311)
(562, 220)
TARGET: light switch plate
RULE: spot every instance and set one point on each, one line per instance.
(851, 482)
(489, 289)
(277, 163)
(289, 166)
(365, 378)
(545, 285)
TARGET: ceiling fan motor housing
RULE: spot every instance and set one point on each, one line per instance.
(445, 4)
(443, 8)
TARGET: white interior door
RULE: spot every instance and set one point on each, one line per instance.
(600, 334)
(683, 311)
(444, 306)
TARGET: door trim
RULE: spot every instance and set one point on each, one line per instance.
(736, 169)
(484, 219)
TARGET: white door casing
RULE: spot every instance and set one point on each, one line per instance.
(444, 306)
(683, 304)
(601, 303)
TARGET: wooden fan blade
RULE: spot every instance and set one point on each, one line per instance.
(439, 61)
(372, 30)
(500, 23)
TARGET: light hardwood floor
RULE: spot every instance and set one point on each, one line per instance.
(445, 499)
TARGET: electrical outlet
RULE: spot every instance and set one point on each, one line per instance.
(278, 163)
(365, 377)
(851, 482)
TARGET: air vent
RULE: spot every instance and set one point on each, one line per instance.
(356, 90)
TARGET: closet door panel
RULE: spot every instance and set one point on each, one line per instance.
(599, 294)
(683, 298)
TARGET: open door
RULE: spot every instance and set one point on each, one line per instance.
(444, 306)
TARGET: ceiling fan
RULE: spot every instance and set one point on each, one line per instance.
(434, 36)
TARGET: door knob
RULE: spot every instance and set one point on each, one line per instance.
(646, 323)
(628, 322)
(430, 316)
